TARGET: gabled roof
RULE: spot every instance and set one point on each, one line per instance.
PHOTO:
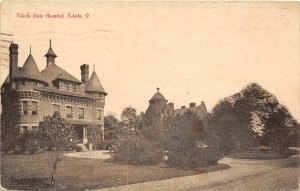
(53, 72)
(30, 71)
(94, 85)
(68, 77)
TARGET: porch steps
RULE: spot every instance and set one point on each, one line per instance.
(84, 148)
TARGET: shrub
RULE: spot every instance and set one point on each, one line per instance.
(78, 148)
(73, 147)
(26, 143)
(105, 144)
(136, 149)
(194, 159)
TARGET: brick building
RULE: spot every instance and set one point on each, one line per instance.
(159, 108)
(41, 93)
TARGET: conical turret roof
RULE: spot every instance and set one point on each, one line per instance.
(50, 51)
(158, 96)
(30, 70)
(94, 84)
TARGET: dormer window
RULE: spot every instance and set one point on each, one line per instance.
(74, 87)
(34, 83)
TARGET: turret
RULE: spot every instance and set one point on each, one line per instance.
(50, 56)
(94, 86)
(157, 102)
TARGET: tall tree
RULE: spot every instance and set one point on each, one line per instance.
(10, 121)
(251, 116)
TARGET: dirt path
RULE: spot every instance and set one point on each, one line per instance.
(101, 154)
(246, 175)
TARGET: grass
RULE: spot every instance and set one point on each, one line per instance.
(258, 154)
(31, 172)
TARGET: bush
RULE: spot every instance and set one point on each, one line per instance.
(78, 148)
(105, 144)
(136, 149)
(73, 147)
(26, 143)
(192, 160)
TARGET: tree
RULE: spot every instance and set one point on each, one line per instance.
(129, 120)
(278, 129)
(183, 137)
(54, 135)
(251, 117)
(112, 126)
(10, 136)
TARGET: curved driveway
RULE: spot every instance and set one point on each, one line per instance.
(245, 175)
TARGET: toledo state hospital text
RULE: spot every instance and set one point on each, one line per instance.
(50, 15)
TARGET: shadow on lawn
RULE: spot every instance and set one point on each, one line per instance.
(27, 183)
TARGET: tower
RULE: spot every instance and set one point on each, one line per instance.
(50, 56)
(154, 113)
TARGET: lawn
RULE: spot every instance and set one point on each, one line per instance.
(257, 154)
(32, 172)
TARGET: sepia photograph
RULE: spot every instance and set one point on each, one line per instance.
(149, 95)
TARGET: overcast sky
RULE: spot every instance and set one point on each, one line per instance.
(193, 51)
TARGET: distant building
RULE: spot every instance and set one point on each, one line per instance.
(159, 108)
(53, 89)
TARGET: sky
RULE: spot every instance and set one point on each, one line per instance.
(192, 51)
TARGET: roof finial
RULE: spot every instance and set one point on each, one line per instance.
(157, 89)
(50, 42)
(94, 67)
(30, 50)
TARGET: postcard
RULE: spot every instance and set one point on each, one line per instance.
(150, 95)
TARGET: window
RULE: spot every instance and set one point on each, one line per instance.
(34, 83)
(34, 107)
(99, 114)
(23, 82)
(81, 113)
(34, 128)
(25, 128)
(25, 107)
(69, 112)
(56, 108)
(74, 87)
(65, 85)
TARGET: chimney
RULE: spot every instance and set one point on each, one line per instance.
(84, 73)
(182, 107)
(171, 105)
(193, 104)
(13, 60)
